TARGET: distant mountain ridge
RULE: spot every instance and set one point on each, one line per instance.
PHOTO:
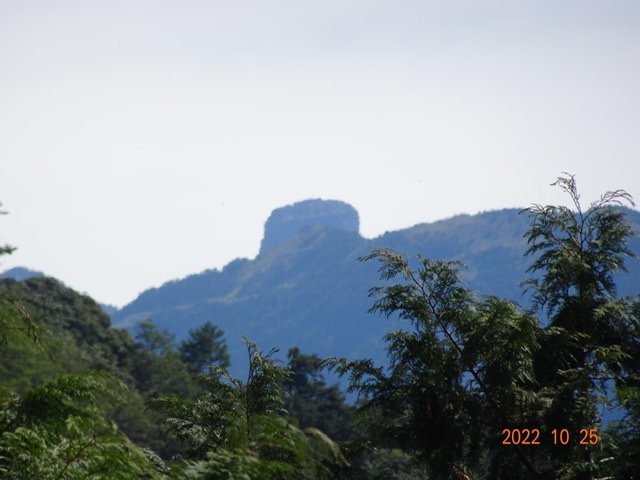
(306, 287)
(20, 273)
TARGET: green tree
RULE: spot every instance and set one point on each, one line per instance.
(461, 374)
(157, 370)
(205, 347)
(235, 430)
(312, 402)
(150, 339)
(576, 254)
(625, 433)
(390, 464)
(59, 430)
(156, 365)
(621, 458)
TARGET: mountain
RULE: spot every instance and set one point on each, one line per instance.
(307, 288)
(20, 273)
(286, 222)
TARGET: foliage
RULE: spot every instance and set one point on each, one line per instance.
(390, 464)
(153, 340)
(205, 347)
(58, 311)
(59, 430)
(578, 251)
(15, 320)
(577, 254)
(14, 317)
(156, 365)
(263, 390)
(624, 456)
(447, 374)
(156, 369)
(74, 336)
(239, 430)
(312, 402)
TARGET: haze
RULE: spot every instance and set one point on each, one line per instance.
(143, 141)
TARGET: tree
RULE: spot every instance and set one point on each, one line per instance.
(236, 430)
(153, 340)
(205, 347)
(156, 366)
(157, 370)
(625, 453)
(622, 456)
(576, 254)
(461, 374)
(390, 464)
(312, 402)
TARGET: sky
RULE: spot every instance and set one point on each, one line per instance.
(141, 141)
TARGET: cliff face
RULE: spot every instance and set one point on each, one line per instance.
(286, 222)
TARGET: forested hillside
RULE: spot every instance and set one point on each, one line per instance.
(76, 393)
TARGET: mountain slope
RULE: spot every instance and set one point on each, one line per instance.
(309, 289)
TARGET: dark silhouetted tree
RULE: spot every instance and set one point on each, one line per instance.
(205, 347)
(314, 403)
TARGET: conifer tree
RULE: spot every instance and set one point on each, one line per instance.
(576, 254)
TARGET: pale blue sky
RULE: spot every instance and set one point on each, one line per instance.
(142, 141)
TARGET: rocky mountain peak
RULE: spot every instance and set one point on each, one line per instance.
(285, 222)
